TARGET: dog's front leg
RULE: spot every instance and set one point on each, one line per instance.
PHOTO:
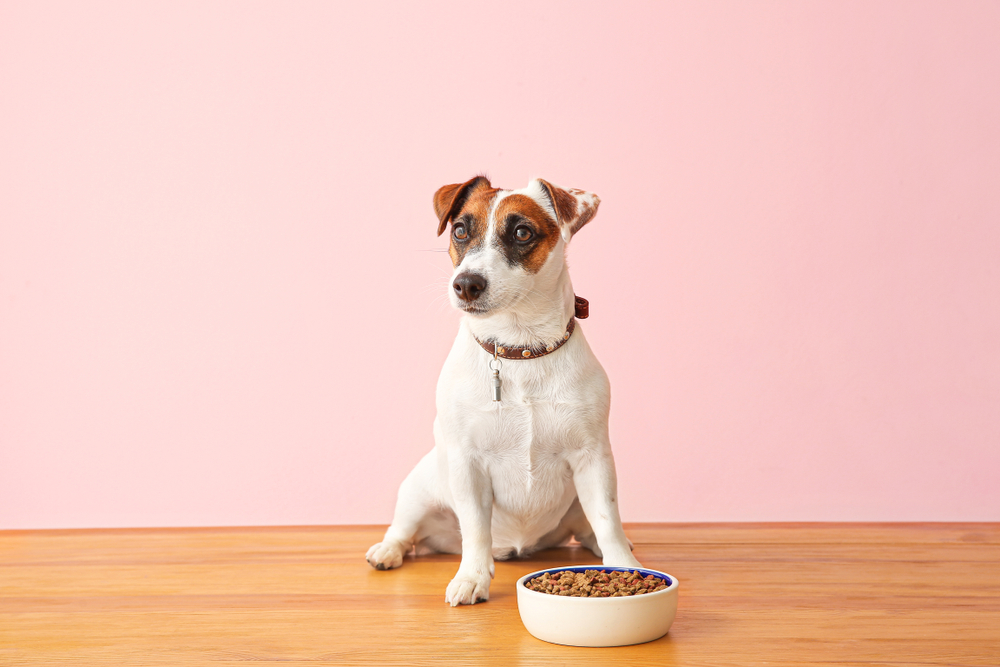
(472, 495)
(597, 488)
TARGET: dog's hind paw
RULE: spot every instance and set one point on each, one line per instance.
(385, 555)
(589, 541)
(468, 589)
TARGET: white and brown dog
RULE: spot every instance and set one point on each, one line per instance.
(508, 477)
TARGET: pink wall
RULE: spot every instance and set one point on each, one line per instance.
(216, 230)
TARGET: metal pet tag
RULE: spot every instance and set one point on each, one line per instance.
(496, 376)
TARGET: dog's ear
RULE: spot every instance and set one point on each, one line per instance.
(572, 208)
(449, 199)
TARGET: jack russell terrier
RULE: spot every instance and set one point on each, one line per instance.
(522, 459)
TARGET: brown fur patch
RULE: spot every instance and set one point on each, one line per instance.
(448, 199)
(571, 212)
(587, 212)
(523, 210)
(443, 199)
(473, 211)
(565, 204)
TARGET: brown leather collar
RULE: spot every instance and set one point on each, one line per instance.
(509, 352)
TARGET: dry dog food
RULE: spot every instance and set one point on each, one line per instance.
(596, 583)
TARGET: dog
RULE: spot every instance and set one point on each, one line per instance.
(522, 459)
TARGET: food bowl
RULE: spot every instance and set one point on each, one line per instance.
(613, 621)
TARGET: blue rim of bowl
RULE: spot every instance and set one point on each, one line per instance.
(606, 568)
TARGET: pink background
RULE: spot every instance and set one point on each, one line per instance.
(221, 295)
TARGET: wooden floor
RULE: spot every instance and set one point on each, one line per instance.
(750, 594)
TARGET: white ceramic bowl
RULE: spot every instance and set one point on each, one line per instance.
(620, 621)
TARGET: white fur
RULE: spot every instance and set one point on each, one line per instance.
(526, 473)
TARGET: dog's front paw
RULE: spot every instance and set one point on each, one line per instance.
(623, 560)
(468, 589)
(616, 556)
(385, 555)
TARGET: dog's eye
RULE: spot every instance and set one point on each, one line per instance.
(523, 233)
(459, 232)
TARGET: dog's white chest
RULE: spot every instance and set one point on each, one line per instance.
(521, 442)
(525, 459)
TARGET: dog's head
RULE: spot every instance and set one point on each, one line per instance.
(508, 244)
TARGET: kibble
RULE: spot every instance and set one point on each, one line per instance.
(596, 583)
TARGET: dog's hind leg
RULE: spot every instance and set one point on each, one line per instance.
(584, 533)
(414, 506)
(439, 534)
(573, 524)
(582, 530)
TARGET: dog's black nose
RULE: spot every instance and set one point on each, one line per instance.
(469, 286)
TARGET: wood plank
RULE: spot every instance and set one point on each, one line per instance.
(802, 594)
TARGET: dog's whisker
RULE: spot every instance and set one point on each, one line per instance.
(440, 287)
